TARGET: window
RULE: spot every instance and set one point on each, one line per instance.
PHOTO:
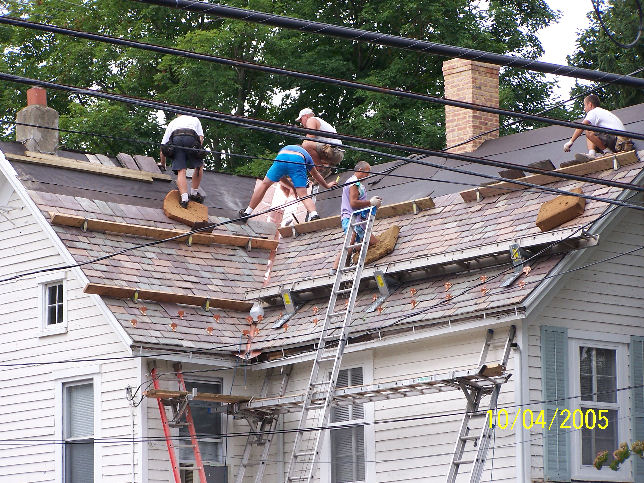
(597, 416)
(53, 305)
(78, 433)
(348, 444)
(54, 313)
(207, 419)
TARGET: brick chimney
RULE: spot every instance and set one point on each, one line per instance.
(38, 139)
(476, 82)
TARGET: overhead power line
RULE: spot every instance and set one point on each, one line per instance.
(270, 126)
(274, 70)
(254, 16)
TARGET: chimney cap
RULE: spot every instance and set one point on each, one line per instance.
(37, 96)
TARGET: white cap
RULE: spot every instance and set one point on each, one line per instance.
(304, 112)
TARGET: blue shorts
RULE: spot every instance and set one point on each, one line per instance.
(294, 168)
(358, 229)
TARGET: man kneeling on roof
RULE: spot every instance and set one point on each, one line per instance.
(295, 162)
(354, 197)
(182, 141)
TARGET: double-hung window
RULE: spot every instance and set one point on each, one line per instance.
(78, 432)
(348, 443)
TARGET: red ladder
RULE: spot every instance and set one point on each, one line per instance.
(180, 408)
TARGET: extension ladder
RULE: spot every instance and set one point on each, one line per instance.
(474, 392)
(307, 444)
(262, 434)
(180, 408)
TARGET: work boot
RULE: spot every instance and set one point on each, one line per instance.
(184, 204)
(242, 215)
(587, 157)
(312, 218)
(197, 198)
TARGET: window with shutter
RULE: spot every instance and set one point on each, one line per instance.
(347, 444)
(208, 425)
(78, 432)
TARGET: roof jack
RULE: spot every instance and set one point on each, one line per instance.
(382, 282)
(516, 255)
(290, 306)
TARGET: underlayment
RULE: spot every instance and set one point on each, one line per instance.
(196, 212)
(386, 243)
(558, 211)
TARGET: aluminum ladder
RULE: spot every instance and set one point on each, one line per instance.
(308, 441)
(474, 393)
(262, 430)
(179, 409)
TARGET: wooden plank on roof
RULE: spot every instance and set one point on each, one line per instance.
(117, 292)
(127, 161)
(200, 396)
(75, 165)
(600, 164)
(160, 233)
(385, 211)
(146, 163)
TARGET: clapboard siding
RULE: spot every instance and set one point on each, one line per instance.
(28, 393)
(605, 298)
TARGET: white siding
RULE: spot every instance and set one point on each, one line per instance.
(28, 393)
(604, 301)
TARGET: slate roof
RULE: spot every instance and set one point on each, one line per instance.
(229, 272)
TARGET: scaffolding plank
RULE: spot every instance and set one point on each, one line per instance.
(599, 164)
(385, 211)
(75, 165)
(160, 233)
(200, 396)
(169, 297)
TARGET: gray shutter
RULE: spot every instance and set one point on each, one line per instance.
(554, 380)
(637, 395)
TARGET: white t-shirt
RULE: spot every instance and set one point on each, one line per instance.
(325, 126)
(600, 117)
(182, 122)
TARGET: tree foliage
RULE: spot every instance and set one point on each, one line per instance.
(595, 50)
(502, 26)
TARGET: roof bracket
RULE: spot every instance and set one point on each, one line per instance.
(383, 282)
(84, 225)
(135, 296)
(615, 162)
(415, 207)
(189, 240)
(206, 306)
(279, 323)
(289, 303)
(249, 245)
(516, 255)
(294, 231)
(478, 195)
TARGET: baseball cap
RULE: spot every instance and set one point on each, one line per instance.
(304, 112)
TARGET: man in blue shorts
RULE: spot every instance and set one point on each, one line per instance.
(354, 197)
(295, 162)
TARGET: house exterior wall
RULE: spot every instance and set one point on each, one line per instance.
(604, 304)
(31, 395)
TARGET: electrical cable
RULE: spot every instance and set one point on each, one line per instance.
(221, 10)
(274, 70)
(267, 126)
(630, 45)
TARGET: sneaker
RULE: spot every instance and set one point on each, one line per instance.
(197, 198)
(583, 157)
(333, 271)
(312, 218)
(242, 215)
(184, 204)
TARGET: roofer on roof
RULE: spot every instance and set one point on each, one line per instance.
(326, 150)
(354, 197)
(598, 143)
(295, 162)
(184, 132)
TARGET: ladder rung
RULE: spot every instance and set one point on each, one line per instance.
(355, 245)
(463, 462)
(338, 314)
(358, 223)
(469, 438)
(304, 453)
(350, 268)
(297, 478)
(344, 290)
(189, 467)
(477, 414)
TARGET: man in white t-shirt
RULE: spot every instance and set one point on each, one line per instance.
(182, 142)
(328, 151)
(598, 143)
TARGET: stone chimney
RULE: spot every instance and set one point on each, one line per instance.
(38, 139)
(476, 82)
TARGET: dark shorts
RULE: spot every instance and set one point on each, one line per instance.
(609, 140)
(184, 158)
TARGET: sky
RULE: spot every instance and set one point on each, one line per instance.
(558, 40)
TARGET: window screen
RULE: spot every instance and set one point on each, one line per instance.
(79, 433)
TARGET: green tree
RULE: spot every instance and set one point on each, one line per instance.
(595, 50)
(503, 26)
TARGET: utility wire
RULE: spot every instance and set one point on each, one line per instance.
(267, 126)
(254, 16)
(274, 70)
(610, 35)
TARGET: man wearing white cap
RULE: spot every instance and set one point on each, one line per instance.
(326, 150)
